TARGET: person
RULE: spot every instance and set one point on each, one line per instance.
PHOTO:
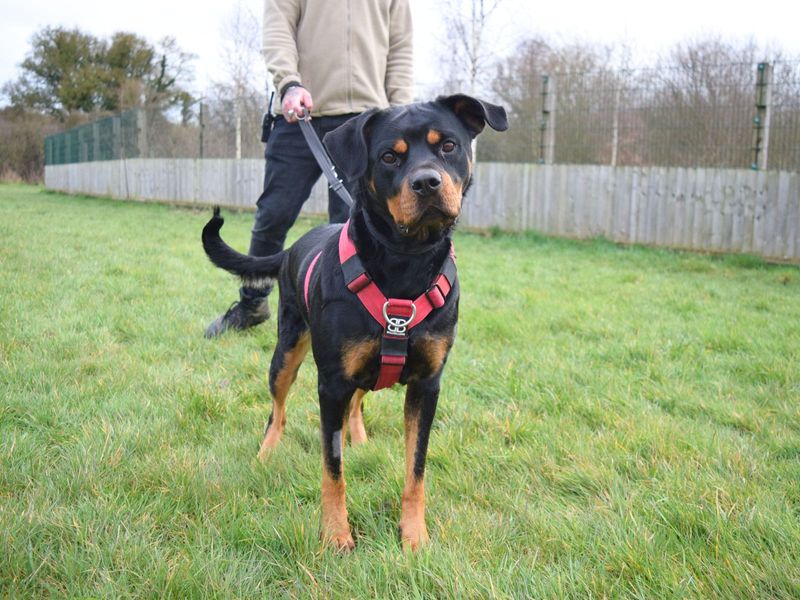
(335, 59)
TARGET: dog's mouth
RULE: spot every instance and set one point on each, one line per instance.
(433, 219)
(418, 215)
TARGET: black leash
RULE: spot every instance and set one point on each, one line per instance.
(322, 158)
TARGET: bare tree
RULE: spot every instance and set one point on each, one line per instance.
(241, 54)
(471, 55)
(584, 100)
(701, 106)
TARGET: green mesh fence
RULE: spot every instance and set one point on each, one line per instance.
(110, 138)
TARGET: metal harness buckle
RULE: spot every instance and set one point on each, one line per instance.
(398, 325)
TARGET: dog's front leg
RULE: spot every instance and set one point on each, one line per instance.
(420, 408)
(334, 405)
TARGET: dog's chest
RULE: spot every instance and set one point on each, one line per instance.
(427, 352)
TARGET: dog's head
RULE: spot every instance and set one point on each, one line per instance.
(414, 161)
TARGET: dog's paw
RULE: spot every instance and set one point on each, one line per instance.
(340, 542)
(268, 446)
(272, 436)
(413, 535)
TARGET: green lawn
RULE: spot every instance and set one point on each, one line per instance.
(614, 422)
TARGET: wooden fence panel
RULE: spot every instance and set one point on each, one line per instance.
(703, 209)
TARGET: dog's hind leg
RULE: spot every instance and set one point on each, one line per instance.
(358, 434)
(290, 350)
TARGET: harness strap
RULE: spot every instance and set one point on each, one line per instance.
(395, 315)
(394, 342)
(360, 283)
(308, 277)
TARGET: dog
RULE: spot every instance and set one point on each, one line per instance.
(376, 299)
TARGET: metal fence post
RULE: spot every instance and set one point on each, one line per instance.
(615, 125)
(201, 127)
(117, 146)
(762, 118)
(547, 133)
(141, 130)
(96, 141)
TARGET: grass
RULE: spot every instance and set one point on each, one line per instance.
(614, 422)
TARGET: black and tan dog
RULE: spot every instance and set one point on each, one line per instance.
(377, 299)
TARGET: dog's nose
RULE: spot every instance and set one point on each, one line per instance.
(426, 182)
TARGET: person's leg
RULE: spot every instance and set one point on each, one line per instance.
(290, 173)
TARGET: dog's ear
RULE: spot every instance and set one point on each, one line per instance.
(347, 145)
(476, 114)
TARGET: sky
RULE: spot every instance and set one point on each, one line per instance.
(648, 27)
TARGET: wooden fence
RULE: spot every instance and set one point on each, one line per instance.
(721, 210)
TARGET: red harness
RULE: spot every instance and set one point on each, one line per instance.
(395, 315)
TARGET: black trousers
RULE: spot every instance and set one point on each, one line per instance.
(291, 171)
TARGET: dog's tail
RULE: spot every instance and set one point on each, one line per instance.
(255, 272)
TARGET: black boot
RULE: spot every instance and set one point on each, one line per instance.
(251, 309)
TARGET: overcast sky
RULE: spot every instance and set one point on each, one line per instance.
(646, 26)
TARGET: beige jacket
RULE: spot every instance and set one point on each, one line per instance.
(350, 55)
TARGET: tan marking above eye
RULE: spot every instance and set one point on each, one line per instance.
(400, 146)
(433, 137)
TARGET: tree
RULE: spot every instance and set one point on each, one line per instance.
(127, 58)
(702, 107)
(171, 73)
(246, 71)
(234, 106)
(59, 74)
(469, 57)
(69, 72)
(584, 87)
(22, 135)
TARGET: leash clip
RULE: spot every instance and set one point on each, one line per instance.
(303, 115)
(398, 325)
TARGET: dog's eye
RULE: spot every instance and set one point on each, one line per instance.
(448, 147)
(389, 158)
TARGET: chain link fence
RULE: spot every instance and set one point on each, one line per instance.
(735, 115)
(726, 116)
(220, 129)
(111, 138)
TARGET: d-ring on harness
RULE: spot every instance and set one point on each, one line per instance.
(396, 315)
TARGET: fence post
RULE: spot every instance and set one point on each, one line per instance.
(615, 125)
(238, 111)
(762, 118)
(96, 141)
(201, 127)
(547, 133)
(83, 144)
(141, 130)
(117, 143)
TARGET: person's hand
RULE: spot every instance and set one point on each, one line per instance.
(296, 102)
